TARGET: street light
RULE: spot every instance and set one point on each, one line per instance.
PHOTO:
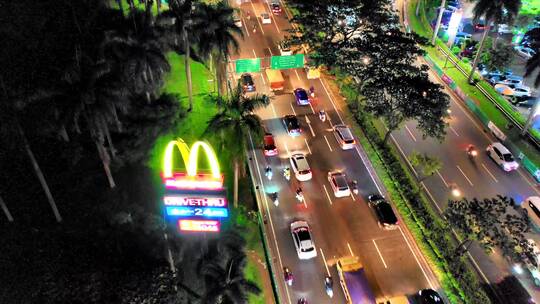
(365, 60)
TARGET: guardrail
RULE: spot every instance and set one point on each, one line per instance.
(471, 105)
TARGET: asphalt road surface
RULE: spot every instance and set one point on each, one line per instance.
(340, 226)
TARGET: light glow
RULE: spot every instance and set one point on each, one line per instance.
(454, 22)
(195, 201)
(199, 225)
(203, 212)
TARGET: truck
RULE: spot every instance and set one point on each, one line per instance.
(276, 79)
(353, 281)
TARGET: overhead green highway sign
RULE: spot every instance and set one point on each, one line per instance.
(287, 62)
(248, 65)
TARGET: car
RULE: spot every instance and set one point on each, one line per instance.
(269, 148)
(510, 79)
(292, 125)
(237, 20)
(498, 73)
(385, 214)
(344, 137)
(463, 36)
(301, 97)
(300, 167)
(284, 49)
(276, 7)
(525, 52)
(502, 156)
(504, 29)
(265, 18)
(429, 296)
(303, 242)
(247, 82)
(339, 184)
(453, 3)
(512, 90)
(527, 102)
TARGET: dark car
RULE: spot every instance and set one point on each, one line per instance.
(292, 125)
(301, 97)
(526, 101)
(429, 296)
(385, 214)
(247, 82)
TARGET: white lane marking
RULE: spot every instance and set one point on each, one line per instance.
(416, 258)
(292, 109)
(353, 197)
(490, 174)
(310, 127)
(350, 250)
(287, 149)
(257, 17)
(307, 145)
(286, 10)
(454, 130)
(329, 121)
(244, 25)
(270, 50)
(311, 106)
(273, 110)
(254, 54)
(368, 170)
(328, 143)
(327, 195)
(467, 178)
(264, 81)
(410, 133)
(443, 180)
(432, 198)
(331, 100)
(324, 260)
(268, 210)
(528, 182)
(297, 76)
(379, 252)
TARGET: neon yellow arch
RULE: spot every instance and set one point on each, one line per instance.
(190, 158)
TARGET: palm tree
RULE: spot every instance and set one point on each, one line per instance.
(493, 11)
(533, 64)
(234, 124)
(216, 30)
(226, 283)
(180, 11)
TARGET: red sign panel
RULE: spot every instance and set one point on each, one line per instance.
(199, 225)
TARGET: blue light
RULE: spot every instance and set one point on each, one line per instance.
(197, 211)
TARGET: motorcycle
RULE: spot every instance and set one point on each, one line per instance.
(302, 301)
(322, 115)
(312, 92)
(287, 173)
(268, 172)
(471, 151)
(355, 187)
(274, 197)
(288, 276)
(299, 195)
(328, 284)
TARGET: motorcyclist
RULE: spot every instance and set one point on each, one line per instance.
(471, 151)
(288, 276)
(302, 301)
(299, 194)
(322, 115)
(268, 172)
(328, 284)
(274, 197)
(287, 173)
(312, 91)
(354, 187)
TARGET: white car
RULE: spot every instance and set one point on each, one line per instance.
(525, 52)
(339, 184)
(502, 156)
(284, 50)
(512, 90)
(265, 18)
(504, 29)
(515, 80)
(300, 166)
(305, 248)
(344, 137)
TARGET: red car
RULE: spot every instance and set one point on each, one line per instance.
(270, 148)
(276, 8)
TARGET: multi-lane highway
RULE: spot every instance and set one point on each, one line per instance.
(479, 177)
(340, 226)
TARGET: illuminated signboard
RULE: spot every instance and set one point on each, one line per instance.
(195, 201)
(453, 26)
(198, 211)
(191, 180)
(199, 225)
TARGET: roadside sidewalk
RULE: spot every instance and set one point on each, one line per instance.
(263, 275)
